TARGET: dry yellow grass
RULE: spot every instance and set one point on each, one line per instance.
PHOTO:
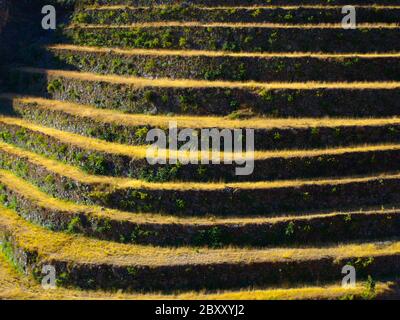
(194, 53)
(283, 7)
(187, 83)
(139, 152)
(122, 183)
(17, 286)
(42, 199)
(234, 25)
(196, 122)
(61, 246)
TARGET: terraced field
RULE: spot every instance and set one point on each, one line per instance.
(78, 191)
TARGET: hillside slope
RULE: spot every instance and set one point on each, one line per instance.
(77, 191)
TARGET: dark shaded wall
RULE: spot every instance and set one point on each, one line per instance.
(4, 13)
(23, 28)
(21, 33)
(4, 18)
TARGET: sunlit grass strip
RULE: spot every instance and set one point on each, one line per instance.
(255, 7)
(188, 83)
(110, 116)
(195, 53)
(235, 25)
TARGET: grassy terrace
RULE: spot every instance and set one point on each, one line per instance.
(76, 174)
(195, 122)
(105, 158)
(15, 285)
(270, 133)
(188, 198)
(38, 207)
(290, 14)
(247, 37)
(222, 65)
(201, 97)
(136, 152)
(79, 253)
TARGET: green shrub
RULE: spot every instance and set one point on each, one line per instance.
(74, 225)
(95, 164)
(55, 86)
